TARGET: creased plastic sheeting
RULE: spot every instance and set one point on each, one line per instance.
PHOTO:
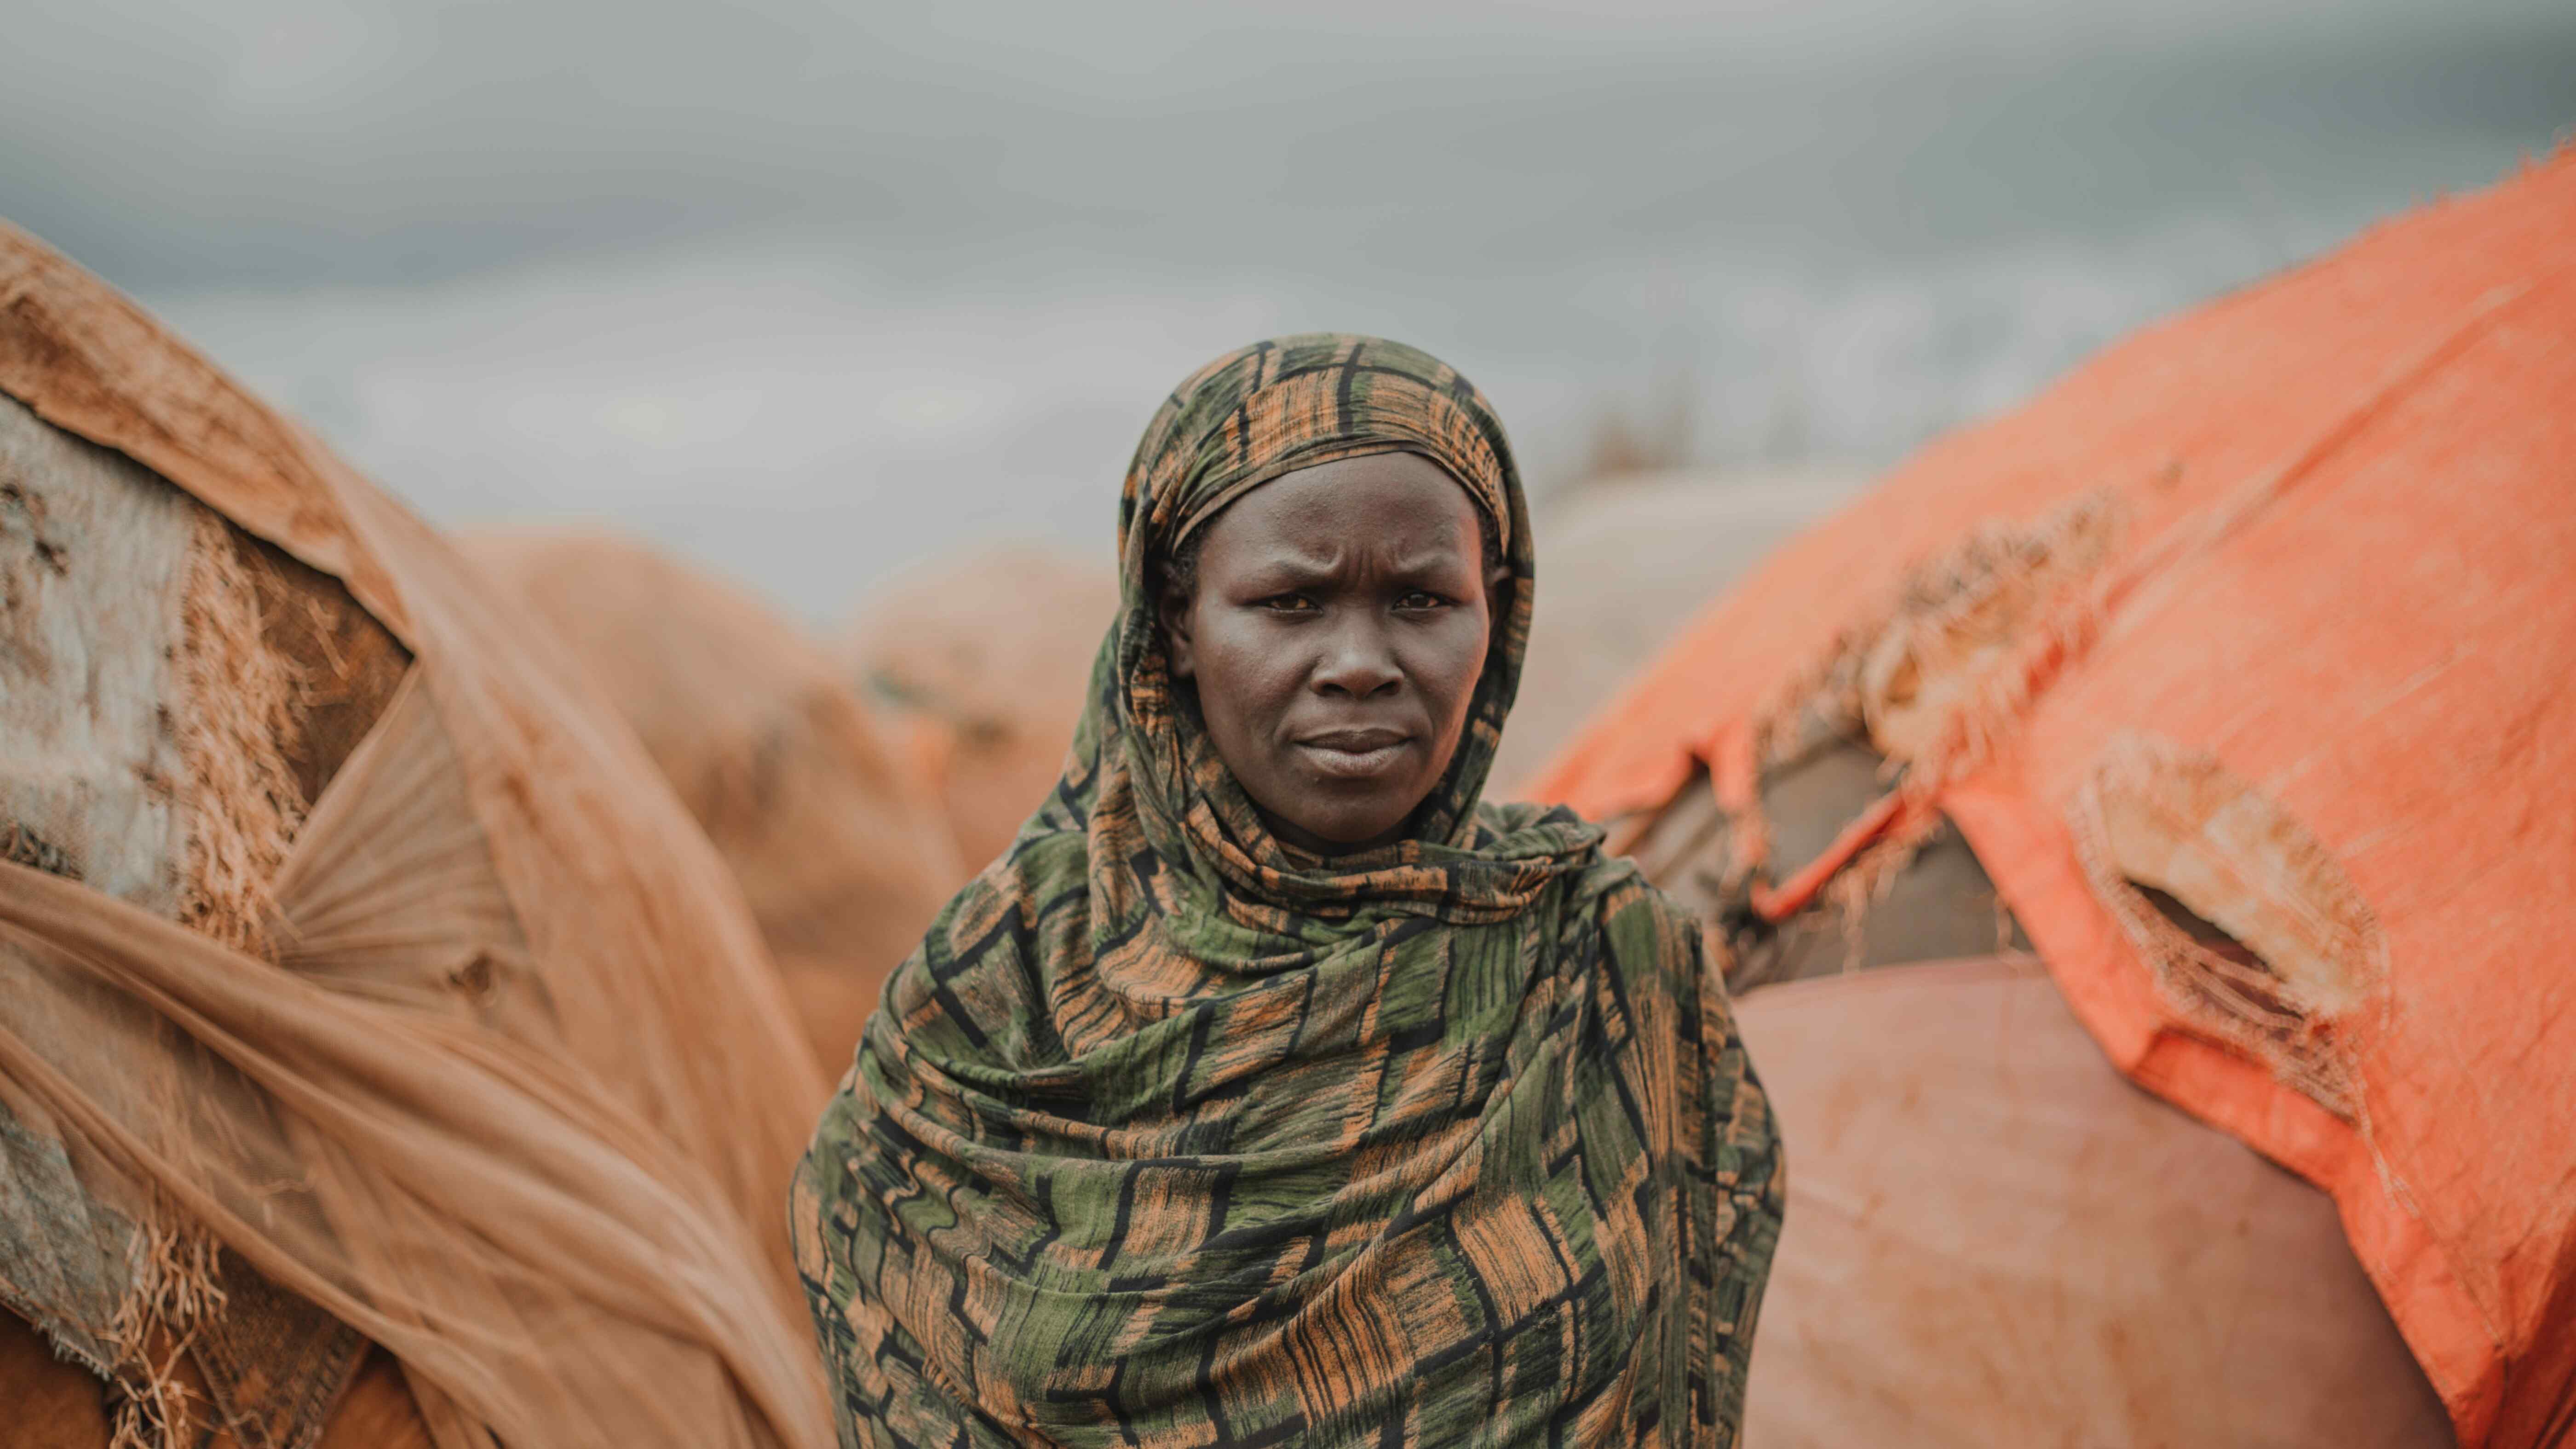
(1993, 1239)
(2343, 580)
(521, 1100)
(841, 850)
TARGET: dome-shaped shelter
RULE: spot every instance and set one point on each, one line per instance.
(2234, 672)
(980, 663)
(839, 845)
(360, 979)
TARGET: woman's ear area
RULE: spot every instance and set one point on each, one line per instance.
(1172, 607)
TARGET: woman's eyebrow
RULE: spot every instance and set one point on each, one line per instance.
(1294, 565)
(1306, 569)
(1432, 561)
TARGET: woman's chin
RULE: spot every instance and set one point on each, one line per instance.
(1342, 832)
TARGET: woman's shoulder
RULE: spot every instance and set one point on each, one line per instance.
(974, 990)
(1635, 906)
(1606, 885)
(991, 914)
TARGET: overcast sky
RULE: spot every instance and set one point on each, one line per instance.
(805, 288)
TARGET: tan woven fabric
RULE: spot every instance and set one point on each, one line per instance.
(516, 1094)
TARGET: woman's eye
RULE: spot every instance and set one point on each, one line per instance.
(1287, 604)
(1419, 599)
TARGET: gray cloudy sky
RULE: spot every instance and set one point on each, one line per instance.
(806, 288)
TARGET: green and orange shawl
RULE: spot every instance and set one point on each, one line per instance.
(1169, 1135)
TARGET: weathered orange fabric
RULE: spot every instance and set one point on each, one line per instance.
(841, 849)
(2271, 607)
(516, 1094)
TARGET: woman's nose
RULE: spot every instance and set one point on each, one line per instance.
(1357, 663)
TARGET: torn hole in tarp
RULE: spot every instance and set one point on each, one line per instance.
(1938, 679)
(1936, 902)
(1811, 839)
(2253, 931)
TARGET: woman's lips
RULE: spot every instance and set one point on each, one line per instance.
(1355, 754)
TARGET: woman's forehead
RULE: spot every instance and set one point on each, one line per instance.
(1376, 502)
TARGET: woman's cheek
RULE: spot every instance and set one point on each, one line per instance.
(1449, 675)
(1265, 660)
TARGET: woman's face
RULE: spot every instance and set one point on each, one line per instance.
(1338, 628)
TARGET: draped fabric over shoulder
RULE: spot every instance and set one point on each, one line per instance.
(1169, 1134)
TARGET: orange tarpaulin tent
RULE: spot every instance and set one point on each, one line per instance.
(2241, 658)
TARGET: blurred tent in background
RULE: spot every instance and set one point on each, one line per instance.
(359, 978)
(2238, 663)
(1624, 561)
(982, 663)
(840, 846)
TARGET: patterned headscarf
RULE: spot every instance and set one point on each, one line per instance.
(1170, 1135)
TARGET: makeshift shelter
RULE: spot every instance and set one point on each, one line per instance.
(981, 664)
(359, 978)
(2239, 662)
(840, 847)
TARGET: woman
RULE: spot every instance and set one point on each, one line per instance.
(1272, 1088)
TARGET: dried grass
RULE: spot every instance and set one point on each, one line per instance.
(239, 791)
